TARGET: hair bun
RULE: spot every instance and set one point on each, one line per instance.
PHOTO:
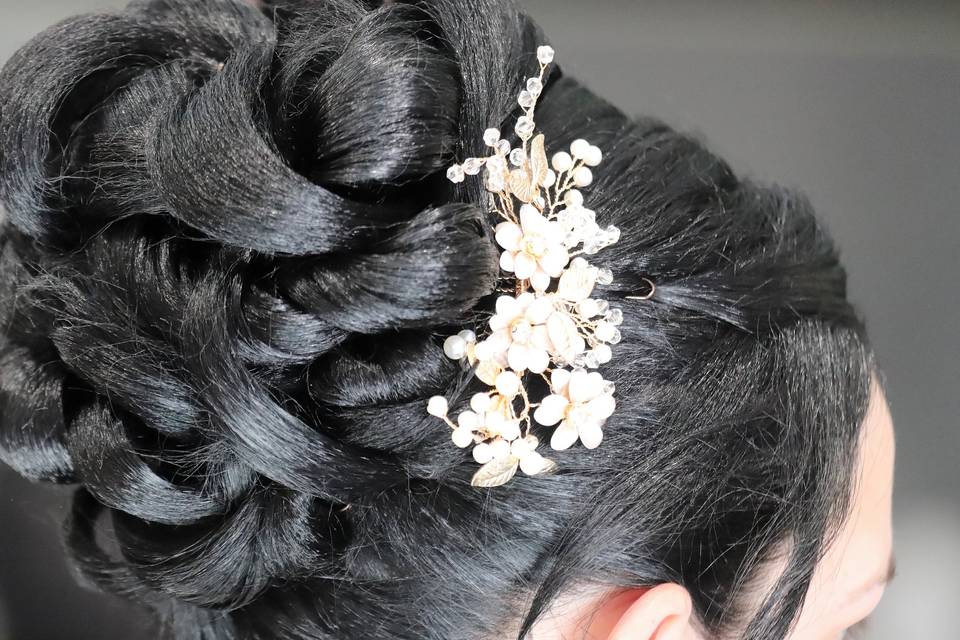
(210, 207)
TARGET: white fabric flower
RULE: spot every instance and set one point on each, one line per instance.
(519, 338)
(522, 452)
(581, 402)
(534, 249)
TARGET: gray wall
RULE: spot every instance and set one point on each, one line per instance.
(854, 102)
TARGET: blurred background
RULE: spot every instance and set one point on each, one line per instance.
(856, 103)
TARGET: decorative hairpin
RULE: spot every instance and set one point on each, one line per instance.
(549, 325)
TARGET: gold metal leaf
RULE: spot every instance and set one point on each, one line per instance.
(525, 181)
(521, 187)
(538, 162)
(496, 472)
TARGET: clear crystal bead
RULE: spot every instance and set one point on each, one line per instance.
(496, 163)
(603, 307)
(517, 157)
(526, 99)
(491, 137)
(590, 360)
(503, 147)
(534, 86)
(471, 166)
(604, 331)
(604, 353)
(524, 127)
(455, 173)
(616, 337)
(609, 388)
(545, 54)
(615, 317)
(604, 276)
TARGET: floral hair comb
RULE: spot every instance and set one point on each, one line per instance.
(549, 326)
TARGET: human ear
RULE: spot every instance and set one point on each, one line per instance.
(660, 613)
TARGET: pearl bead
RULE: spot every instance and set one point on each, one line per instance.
(469, 336)
(491, 137)
(480, 402)
(579, 148)
(594, 156)
(508, 384)
(455, 347)
(582, 177)
(503, 147)
(550, 179)
(437, 406)
(545, 54)
(573, 198)
(463, 438)
(561, 161)
(455, 174)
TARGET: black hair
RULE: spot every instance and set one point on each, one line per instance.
(229, 260)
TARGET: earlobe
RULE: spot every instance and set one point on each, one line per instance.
(660, 613)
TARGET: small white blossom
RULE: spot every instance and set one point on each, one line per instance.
(581, 402)
(534, 249)
(519, 339)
